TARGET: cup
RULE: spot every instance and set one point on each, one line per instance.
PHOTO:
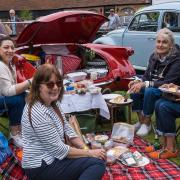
(93, 75)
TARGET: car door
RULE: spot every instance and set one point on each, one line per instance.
(140, 35)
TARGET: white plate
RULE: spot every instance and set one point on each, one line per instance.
(141, 163)
(110, 96)
(127, 102)
(168, 91)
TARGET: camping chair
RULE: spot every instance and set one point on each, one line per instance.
(177, 132)
(3, 109)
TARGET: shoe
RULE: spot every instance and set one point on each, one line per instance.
(137, 126)
(164, 154)
(144, 130)
(149, 149)
(17, 140)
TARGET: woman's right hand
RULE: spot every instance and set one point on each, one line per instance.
(98, 153)
(131, 83)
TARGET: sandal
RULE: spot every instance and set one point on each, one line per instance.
(164, 154)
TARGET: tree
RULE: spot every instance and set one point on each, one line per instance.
(26, 15)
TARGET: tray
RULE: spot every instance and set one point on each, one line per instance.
(127, 102)
(141, 163)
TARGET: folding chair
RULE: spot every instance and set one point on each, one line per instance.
(177, 132)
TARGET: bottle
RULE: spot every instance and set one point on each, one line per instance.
(156, 143)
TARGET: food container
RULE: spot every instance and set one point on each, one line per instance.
(77, 76)
(123, 133)
(94, 90)
(93, 75)
(110, 157)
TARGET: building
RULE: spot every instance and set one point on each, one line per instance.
(41, 8)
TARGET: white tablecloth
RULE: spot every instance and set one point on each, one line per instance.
(76, 103)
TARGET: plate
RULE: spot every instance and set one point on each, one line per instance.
(110, 96)
(169, 91)
(141, 163)
(127, 102)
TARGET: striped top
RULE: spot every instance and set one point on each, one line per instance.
(46, 140)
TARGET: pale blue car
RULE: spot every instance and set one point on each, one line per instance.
(141, 32)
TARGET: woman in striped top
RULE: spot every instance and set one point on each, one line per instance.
(44, 128)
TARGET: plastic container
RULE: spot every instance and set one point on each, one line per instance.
(77, 76)
(123, 133)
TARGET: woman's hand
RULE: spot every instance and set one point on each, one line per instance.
(98, 153)
(131, 83)
(136, 87)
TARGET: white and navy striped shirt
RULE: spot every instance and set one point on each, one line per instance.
(46, 140)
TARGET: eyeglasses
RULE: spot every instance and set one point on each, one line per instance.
(50, 85)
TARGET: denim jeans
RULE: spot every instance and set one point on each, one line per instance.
(14, 106)
(86, 168)
(166, 114)
(145, 100)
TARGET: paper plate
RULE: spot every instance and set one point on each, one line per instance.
(141, 163)
(169, 91)
(127, 102)
(110, 96)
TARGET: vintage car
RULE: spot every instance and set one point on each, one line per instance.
(141, 32)
(63, 39)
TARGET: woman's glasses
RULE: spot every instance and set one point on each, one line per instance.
(50, 85)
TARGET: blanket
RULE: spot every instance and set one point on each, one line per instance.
(160, 169)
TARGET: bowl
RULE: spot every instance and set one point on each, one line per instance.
(101, 138)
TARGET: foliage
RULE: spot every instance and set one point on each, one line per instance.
(26, 15)
(90, 54)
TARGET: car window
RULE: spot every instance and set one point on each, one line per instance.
(145, 22)
(171, 20)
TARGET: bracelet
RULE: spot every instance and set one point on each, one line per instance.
(29, 81)
(85, 147)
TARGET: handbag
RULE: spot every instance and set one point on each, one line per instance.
(73, 123)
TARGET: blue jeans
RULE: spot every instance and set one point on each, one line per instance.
(14, 106)
(166, 114)
(87, 168)
(144, 101)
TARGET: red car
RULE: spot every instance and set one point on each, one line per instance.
(63, 38)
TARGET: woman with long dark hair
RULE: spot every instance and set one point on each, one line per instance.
(46, 155)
